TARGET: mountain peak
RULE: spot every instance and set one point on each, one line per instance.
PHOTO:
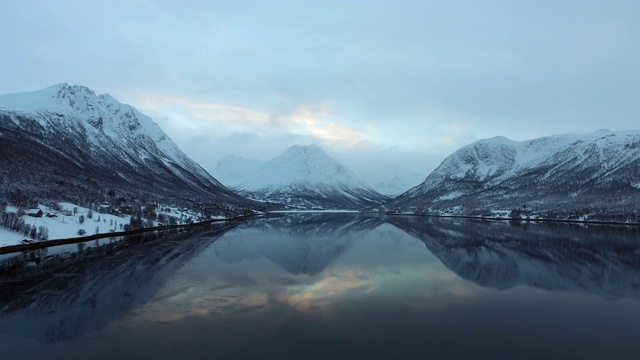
(61, 92)
(79, 106)
(303, 165)
(57, 87)
(54, 99)
(65, 88)
(306, 149)
(302, 177)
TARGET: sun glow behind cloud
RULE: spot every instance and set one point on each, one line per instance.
(319, 123)
(185, 115)
(324, 125)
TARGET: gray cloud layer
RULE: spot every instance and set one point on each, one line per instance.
(409, 79)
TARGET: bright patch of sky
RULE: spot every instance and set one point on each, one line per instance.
(377, 84)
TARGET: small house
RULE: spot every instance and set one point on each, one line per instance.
(51, 215)
(35, 212)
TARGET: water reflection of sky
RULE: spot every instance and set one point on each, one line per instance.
(253, 300)
(376, 293)
(378, 268)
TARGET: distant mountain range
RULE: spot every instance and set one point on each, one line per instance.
(231, 170)
(572, 174)
(67, 142)
(303, 177)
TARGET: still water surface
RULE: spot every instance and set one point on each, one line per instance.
(337, 286)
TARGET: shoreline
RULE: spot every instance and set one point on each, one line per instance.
(56, 242)
(484, 218)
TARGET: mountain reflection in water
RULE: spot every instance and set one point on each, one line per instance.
(596, 259)
(340, 286)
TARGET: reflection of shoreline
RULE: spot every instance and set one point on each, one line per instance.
(552, 256)
(97, 286)
(521, 221)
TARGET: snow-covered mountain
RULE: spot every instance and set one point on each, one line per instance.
(65, 140)
(598, 172)
(301, 177)
(231, 170)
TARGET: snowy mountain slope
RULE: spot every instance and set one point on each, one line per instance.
(307, 177)
(73, 140)
(564, 172)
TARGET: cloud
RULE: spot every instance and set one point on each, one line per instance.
(241, 136)
(319, 122)
(196, 113)
(339, 134)
(447, 129)
(209, 130)
(411, 76)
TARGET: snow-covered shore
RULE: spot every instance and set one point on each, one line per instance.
(66, 226)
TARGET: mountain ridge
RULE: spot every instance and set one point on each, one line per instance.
(570, 173)
(86, 141)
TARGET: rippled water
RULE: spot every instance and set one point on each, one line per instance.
(338, 286)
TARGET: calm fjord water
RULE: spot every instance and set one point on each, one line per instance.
(339, 286)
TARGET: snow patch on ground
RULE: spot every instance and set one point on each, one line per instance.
(67, 226)
(64, 226)
(8, 237)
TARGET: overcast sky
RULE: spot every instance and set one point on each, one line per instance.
(379, 84)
